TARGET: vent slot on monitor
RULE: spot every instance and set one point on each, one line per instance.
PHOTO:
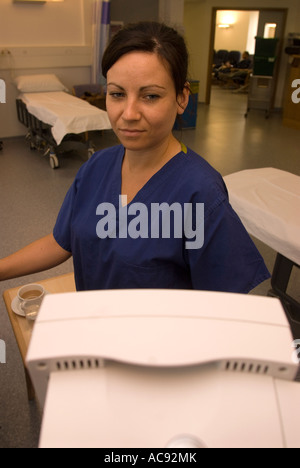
(256, 368)
(78, 364)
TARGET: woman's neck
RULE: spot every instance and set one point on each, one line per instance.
(139, 167)
(146, 161)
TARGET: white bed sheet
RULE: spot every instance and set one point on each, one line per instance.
(65, 113)
(268, 202)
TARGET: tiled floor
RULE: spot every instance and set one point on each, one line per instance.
(31, 194)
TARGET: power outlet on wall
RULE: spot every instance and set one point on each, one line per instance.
(5, 52)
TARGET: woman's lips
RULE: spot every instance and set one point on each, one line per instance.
(131, 132)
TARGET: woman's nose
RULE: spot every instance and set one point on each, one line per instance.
(131, 110)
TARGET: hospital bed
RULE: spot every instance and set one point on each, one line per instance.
(54, 118)
(267, 201)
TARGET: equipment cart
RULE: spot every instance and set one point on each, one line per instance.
(260, 93)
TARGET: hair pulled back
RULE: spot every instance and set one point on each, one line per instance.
(152, 37)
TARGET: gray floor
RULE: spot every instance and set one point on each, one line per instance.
(31, 194)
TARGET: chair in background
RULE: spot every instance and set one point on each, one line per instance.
(234, 57)
(221, 56)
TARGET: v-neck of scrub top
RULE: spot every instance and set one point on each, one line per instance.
(153, 183)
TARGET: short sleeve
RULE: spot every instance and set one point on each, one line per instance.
(228, 261)
(62, 231)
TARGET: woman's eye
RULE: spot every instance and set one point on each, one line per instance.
(151, 97)
(116, 95)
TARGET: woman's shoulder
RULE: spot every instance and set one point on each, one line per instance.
(201, 183)
(200, 172)
(106, 156)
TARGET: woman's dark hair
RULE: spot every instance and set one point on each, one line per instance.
(148, 36)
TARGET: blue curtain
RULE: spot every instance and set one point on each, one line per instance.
(101, 23)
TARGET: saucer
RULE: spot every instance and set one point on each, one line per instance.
(16, 306)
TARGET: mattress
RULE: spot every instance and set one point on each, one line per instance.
(268, 202)
(65, 113)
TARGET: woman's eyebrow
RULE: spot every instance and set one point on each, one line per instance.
(115, 84)
(143, 88)
(152, 86)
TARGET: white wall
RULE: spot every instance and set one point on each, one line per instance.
(235, 37)
(52, 24)
(197, 22)
(252, 32)
(42, 38)
(57, 38)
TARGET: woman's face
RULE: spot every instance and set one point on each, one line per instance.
(141, 101)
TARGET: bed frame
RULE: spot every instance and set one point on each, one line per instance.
(40, 137)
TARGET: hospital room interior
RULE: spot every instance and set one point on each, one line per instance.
(240, 128)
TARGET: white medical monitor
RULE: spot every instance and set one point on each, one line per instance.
(156, 368)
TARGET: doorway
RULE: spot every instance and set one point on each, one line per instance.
(270, 23)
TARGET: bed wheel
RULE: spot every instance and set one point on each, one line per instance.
(54, 163)
(91, 151)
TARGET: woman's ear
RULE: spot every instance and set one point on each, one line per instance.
(183, 99)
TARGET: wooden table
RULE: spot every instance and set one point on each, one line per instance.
(22, 328)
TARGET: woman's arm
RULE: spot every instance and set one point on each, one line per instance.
(41, 255)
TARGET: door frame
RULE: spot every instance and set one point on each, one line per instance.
(212, 42)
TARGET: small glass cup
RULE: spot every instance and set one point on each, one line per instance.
(31, 297)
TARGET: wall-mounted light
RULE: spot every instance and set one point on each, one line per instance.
(226, 19)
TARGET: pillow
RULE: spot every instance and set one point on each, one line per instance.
(39, 84)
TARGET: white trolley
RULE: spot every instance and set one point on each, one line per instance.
(260, 94)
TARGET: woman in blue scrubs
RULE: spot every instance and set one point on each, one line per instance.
(148, 213)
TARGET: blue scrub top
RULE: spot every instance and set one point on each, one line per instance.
(227, 261)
